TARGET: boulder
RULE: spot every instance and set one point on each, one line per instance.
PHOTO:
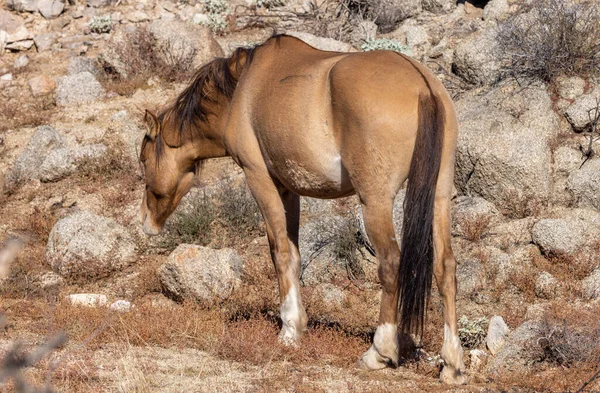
(23, 5)
(516, 350)
(41, 85)
(476, 58)
(180, 41)
(502, 151)
(570, 87)
(322, 43)
(87, 246)
(470, 278)
(496, 335)
(43, 140)
(584, 184)
(496, 10)
(559, 235)
(578, 114)
(79, 89)
(473, 211)
(51, 9)
(200, 273)
(21, 62)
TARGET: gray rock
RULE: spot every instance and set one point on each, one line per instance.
(79, 89)
(476, 58)
(518, 261)
(322, 43)
(98, 3)
(81, 64)
(509, 234)
(19, 45)
(137, 16)
(59, 163)
(86, 246)
(180, 41)
(516, 351)
(49, 280)
(44, 140)
(21, 62)
(469, 210)
(559, 236)
(591, 285)
(519, 127)
(496, 335)
(3, 37)
(546, 286)
(331, 295)
(497, 10)
(44, 42)
(570, 87)
(584, 184)
(23, 5)
(578, 114)
(470, 277)
(201, 273)
(21, 33)
(51, 8)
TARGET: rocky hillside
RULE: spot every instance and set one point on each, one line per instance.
(196, 308)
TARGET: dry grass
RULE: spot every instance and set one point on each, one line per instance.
(19, 112)
(516, 205)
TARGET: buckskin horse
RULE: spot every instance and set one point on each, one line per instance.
(300, 121)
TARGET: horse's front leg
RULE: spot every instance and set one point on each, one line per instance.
(281, 211)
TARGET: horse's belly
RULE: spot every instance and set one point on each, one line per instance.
(316, 179)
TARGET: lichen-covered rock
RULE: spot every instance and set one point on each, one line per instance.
(476, 58)
(201, 273)
(559, 236)
(86, 246)
(584, 184)
(79, 89)
(546, 286)
(496, 10)
(51, 8)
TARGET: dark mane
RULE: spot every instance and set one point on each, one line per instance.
(187, 110)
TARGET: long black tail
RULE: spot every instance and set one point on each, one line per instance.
(417, 253)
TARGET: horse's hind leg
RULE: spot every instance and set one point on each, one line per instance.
(377, 214)
(281, 210)
(444, 269)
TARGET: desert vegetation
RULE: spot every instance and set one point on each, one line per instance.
(89, 303)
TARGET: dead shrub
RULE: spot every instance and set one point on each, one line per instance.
(474, 228)
(549, 38)
(143, 58)
(238, 214)
(516, 204)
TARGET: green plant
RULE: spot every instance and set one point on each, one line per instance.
(385, 44)
(550, 38)
(101, 24)
(270, 3)
(472, 333)
(215, 6)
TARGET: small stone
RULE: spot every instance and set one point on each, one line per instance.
(98, 3)
(578, 114)
(88, 299)
(44, 42)
(546, 286)
(478, 360)
(23, 5)
(21, 33)
(497, 332)
(21, 62)
(137, 17)
(201, 19)
(6, 77)
(570, 87)
(591, 285)
(41, 85)
(121, 306)
(51, 8)
(20, 45)
(50, 280)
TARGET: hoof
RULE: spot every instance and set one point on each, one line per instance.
(372, 360)
(452, 376)
(289, 336)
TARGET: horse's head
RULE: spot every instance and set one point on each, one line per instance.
(169, 166)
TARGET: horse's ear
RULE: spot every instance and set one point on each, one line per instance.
(152, 123)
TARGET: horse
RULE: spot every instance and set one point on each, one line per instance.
(305, 122)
